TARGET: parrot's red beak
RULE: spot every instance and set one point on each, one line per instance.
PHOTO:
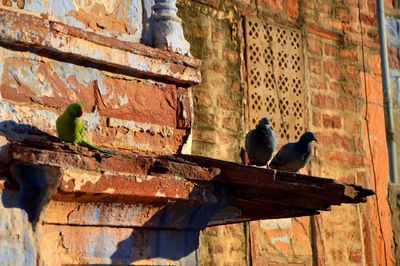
(80, 112)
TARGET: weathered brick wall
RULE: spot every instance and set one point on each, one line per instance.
(121, 19)
(394, 201)
(342, 74)
(393, 45)
(135, 101)
(218, 100)
(345, 110)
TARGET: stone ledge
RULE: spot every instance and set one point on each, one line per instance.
(50, 37)
(183, 186)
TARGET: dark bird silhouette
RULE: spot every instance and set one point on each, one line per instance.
(294, 155)
(260, 143)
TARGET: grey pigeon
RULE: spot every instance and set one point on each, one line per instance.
(294, 155)
(260, 143)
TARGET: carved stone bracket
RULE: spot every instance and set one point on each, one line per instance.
(167, 32)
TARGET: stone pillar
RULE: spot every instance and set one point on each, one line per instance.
(167, 29)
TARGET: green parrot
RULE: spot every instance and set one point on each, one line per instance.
(70, 127)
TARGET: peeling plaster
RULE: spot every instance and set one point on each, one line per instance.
(123, 100)
(43, 119)
(41, 7)
(283, 239)
(80, 177)
(160, 194)
(101, 87)
(142, 127)
(60, 10)
(109, 190)
(276, 224)
(83, 75)
(92, 121)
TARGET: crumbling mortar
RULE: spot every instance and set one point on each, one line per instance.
(61, 241)
(69, 213)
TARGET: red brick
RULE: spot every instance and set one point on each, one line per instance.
(331, 121)
(332, 69)
(324, 139)
(316, 118)
(235, 86)
(206, 118)
(218, 68)
(314, 65)
(342, 14)
(274, 5)
(292, 8)
(350, 72)
(314, 45)
(389, 4)
(226, 103)
(372, 6)
(369, 19)
(326, 34)
(317, 84)
(200, 32)
(352, 89)
(373, 87)
(335, 86)
(348, 54)
(343, 141)
(227, 140)
(352, 124)
(374, 63)
(202, 98)
(373, 34)
(208, 53)
(308, 5)
(347, 179)
(353, 3)
(342, 158)
(324, 101)
(345, 103)
(230, 123)
(330, 50)
(355, 256)
(217, 36)
(358, 144)
(393, 57)
(209, 136)
(231, 56)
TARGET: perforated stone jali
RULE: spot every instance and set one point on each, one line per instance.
(275, 77)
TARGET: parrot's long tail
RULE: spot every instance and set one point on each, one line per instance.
(94, 147)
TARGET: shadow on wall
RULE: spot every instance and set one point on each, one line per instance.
(172, 233)
(31, 191)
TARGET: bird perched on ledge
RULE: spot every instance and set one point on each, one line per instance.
(70, 127)
(260, 143)
(294, 155)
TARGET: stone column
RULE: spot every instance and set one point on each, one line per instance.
(167, 29)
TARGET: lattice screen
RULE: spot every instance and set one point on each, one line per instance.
(275, 77)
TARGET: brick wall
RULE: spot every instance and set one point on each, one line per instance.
(343, 86)
(393, 45)
(136, 99)
(345, 110)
